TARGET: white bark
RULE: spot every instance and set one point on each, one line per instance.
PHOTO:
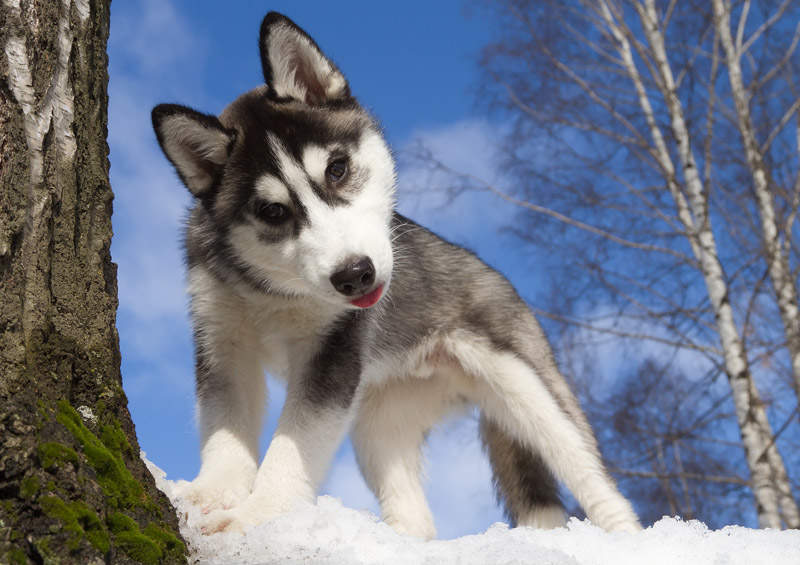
(57, 104)
(777, 262)
(693, 213)
(54, 110)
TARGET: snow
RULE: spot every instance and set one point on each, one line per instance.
(329, 533)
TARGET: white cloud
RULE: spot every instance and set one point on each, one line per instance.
(149, 201)
(475, 219)
(466, 147)
(598, 355)
(160, 41)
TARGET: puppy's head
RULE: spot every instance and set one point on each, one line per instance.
(295, 175)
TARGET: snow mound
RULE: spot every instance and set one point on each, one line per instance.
(329, 533)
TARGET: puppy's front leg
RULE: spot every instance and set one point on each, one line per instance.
(315, 418)
(231, 397)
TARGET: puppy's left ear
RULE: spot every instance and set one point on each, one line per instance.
(196, 144)
(295, 67)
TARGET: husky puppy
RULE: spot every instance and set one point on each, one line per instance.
(299, 265)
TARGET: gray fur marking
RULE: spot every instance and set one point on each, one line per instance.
(521, 478)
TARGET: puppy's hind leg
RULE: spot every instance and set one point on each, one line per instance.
(513, 394)
(524, 484)
(388, 435)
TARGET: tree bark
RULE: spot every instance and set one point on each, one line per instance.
(73, 488)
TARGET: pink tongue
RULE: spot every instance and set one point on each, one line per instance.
(368, 299)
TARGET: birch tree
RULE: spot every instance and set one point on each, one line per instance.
(74, 489)
(624, 144)
(776, 240)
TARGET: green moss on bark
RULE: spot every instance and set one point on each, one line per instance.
(123, 493)
(79, 520)
(171, 547)
(152, 542)
(52, 454)
(114, 438)
(16, 556)
(139, 547)
(45, 552)
(119, 486)
(29, 487)
(119, 522)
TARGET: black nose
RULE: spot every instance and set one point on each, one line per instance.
(355, 277)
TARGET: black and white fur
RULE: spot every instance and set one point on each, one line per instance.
(292, 238)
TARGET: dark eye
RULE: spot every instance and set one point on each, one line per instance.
(272, 212)
(336, 170)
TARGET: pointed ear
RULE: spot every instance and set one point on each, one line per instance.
(295, 67)
(197, 144)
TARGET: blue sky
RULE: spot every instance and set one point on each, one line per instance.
(414, 68)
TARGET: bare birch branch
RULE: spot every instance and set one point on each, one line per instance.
(567, 220)
(765, 26)
(621, 333)
(780, 64)
(782, 122)
(691, 476)
(742, 22)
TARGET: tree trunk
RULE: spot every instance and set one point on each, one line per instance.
(73, 488)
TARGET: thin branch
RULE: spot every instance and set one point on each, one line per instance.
(783, 427)
(583, 126)
(668, 16)
(780, 125)
(620, 333)
(740, 27)
(712, 97)
(565, 219)
(765, 26)
(778, 66)
(693, 476)
(682, 476)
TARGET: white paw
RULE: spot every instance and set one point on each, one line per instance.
(622, 520)
(219, 521)
(422, 527)
(627, 526)
(544, 517)
(212, 493)
(253, 511)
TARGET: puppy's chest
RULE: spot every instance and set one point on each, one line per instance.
(289, 334)
(289, 323)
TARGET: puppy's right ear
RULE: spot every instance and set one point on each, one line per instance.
(197, 144)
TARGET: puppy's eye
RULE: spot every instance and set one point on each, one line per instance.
(272, 212)
(336, 170)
